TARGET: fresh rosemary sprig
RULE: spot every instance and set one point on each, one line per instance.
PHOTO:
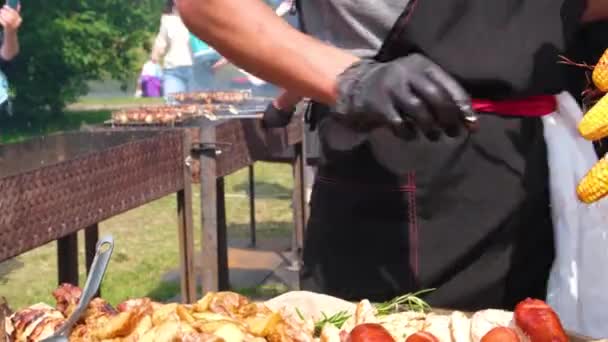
(407, 302)
(337, 320)
(300, 314)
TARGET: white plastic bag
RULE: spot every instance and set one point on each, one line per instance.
(152, 69)
(578, 284)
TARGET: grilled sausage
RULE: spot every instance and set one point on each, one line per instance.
(501, 334)
(539, 322)
(370, 332)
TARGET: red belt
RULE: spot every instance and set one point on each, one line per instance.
(539, 105)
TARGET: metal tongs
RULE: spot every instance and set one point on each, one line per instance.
(105, 246)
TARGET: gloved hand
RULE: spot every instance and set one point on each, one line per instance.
(410, 91)
(276, 118)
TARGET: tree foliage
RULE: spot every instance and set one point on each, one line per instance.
(65, 43)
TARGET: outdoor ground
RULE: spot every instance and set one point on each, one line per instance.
(145, 258)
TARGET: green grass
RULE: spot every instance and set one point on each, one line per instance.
(146, 237)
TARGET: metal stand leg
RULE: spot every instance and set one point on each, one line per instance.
(186, 244)
(91, 236)
(299, 214)
(67, 259)
(222, 240)
(252, 227)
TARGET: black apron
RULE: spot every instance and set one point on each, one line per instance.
(472, 219)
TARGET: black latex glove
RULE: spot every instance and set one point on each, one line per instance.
(410, 92)
(276, 118)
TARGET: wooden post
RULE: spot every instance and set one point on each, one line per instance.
(208, 200)
(4, 314)
(186, 230)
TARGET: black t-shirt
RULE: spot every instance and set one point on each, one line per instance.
(496, 49)
(5, 65)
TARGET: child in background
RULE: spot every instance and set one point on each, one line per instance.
(10, 20)
(150, 81)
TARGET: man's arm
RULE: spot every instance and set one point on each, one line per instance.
(596, 10)
(10, 20)
(10, 45)
(257, 40)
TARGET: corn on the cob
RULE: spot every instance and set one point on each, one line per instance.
(600, 73)
(594, 125)
(594, 185)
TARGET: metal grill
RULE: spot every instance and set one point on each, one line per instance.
(50, 202)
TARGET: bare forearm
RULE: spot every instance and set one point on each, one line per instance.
(256, 39)
(596, 10)
(158, 50)
(287, 100)
(155, 55)
(10, 45)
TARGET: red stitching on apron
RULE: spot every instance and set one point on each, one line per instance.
(409, 187)
(413, 224)
(410, 10)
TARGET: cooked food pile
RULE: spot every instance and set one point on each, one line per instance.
(223, 316)
(230, 317)
(533, 321)
(594, 126)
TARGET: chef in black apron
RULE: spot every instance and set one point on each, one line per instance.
(407, 196)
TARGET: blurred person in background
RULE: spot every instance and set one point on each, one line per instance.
(205, 61)
(172, 46)
(10, 19)
(149, 83)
